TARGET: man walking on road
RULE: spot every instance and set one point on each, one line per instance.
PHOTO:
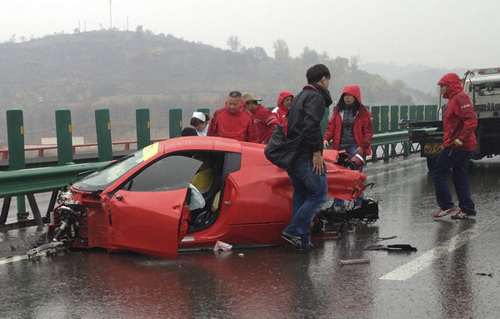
(459, 141)
(308, 172)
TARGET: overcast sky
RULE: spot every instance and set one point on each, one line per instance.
(443, 33)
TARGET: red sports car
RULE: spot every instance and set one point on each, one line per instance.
(146, 202)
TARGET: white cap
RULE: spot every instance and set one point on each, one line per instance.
(200, 116)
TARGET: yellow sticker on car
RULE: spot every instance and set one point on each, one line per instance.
(149, 151)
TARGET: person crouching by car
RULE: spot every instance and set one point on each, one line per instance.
(199, 121)
(264, 120)
(350, 129)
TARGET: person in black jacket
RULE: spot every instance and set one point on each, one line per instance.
(308, 172)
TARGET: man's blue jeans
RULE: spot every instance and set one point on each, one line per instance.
(458, 162)
(310, 192)
(351, 150)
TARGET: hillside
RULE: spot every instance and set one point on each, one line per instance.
(123, 71)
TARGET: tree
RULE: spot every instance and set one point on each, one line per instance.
(257, 53)
(309, 57)
(234, 43)
(281, 51)
(354, 62)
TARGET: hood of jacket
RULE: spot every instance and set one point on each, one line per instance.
(283, 95)
(352, 90)
(454, 84)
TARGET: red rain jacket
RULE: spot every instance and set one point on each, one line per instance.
(280, 111)
(363, 123)
(238, 125)
(264, 122)
(460, 119)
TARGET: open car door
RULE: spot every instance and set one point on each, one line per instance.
(145, 211)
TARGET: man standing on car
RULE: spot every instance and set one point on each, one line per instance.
(308, 172)
(232, 120)
(459, 141)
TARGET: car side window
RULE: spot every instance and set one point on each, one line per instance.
(168, 173)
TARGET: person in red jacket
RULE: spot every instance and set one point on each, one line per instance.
(350, 128)
(264, 120)
(459, 142)
(284, 101)
(232, 120)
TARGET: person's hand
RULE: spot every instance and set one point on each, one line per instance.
(458, 142)
(325, 143)
(360, 151)
(318, 163)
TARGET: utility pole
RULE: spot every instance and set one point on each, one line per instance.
(110, 16)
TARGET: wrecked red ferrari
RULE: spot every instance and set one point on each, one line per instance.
(147, 202)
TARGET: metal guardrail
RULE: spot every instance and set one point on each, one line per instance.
(27, 182)
(388, 142)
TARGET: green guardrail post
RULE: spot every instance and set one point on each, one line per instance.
(143, 127)
(430, 112)
(376, 119)
(420, 112)
(17, 160)
(103, 129)
(64, 137)
(394, 118)
(413, 112)
(403, 112)
(175, 121)
(384, 118)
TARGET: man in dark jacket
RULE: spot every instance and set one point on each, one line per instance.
(459, 141)
(308, 172)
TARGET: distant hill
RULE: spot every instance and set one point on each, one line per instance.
(417, 77)
(123, 71)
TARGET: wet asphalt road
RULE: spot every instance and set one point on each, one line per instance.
(454, 274)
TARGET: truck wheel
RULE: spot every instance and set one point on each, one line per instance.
(431, 163)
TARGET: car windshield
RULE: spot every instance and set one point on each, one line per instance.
(100, 180)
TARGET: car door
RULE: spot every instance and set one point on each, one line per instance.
(145, 210)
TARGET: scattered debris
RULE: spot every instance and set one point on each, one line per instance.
(396, 247)
(354, 261)
(484, 274)
(385, 238)
(220, 245)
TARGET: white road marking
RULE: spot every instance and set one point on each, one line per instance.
(13, 259)
(410, 269)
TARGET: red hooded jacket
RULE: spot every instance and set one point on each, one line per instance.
(460, 119)
(363, 123)
(280, 111)
(238, 125)
(264, 122)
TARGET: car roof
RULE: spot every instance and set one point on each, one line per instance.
(186, 143)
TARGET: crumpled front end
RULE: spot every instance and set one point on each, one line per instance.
(78, 221)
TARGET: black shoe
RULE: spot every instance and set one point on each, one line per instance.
(292, 239)
(303, 248)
